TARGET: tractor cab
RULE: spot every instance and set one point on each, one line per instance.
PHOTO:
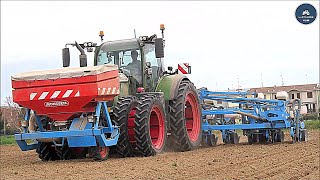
(139, 60)
(136, 59)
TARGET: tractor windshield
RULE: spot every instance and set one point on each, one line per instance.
(125, 54)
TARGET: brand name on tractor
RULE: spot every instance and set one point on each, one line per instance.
(56, 103)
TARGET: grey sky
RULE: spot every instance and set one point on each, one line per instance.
(223, 41)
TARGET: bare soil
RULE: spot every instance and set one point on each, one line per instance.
(242, 161)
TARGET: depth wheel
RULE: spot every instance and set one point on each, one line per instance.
(124, 113)
(99, 153)
(185, 121)
(150, 126)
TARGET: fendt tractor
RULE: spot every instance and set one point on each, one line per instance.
(127, 100)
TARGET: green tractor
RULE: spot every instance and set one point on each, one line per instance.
(156, 109)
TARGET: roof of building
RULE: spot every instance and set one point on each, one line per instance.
(274, 89)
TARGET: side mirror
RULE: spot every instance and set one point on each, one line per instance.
(83, 60)
(159, 47)
(65, 57)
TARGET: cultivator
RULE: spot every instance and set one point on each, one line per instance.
(261, 120)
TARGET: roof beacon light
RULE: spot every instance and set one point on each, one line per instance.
(101, 34)
(162, 29)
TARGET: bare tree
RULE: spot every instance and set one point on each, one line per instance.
(12, 114)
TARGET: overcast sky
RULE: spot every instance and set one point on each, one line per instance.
(224, 42)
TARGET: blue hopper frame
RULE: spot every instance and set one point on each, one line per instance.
(81, 133)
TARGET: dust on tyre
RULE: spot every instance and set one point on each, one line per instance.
(124, 113)
(185, 121)
(150, 126)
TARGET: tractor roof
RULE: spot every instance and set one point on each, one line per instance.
(123, 44)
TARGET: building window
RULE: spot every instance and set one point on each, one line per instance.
(298, 95)
(309, 94)
(292, 96)
(219, 102)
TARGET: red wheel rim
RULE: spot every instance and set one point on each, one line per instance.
(131, 117)
(192, 116)
(157, 127)
(103, 151)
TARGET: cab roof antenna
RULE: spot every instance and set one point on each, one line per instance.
(134, 31)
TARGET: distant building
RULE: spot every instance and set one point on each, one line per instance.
(308, 93)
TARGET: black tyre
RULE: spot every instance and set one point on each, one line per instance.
(46, 152)
(150, 126)
(99, 153)
(185, 118)
(64, 152)
(124, 113)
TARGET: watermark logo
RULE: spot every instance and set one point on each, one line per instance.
(56, 103)
(306, 13)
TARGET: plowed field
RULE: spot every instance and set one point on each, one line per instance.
(241, 161)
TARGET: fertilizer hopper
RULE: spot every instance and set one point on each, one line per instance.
(73, 102)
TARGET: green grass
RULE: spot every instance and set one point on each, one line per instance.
(312, 124)
(9, 139)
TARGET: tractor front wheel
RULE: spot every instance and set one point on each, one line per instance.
(124, 113)
(150, 126)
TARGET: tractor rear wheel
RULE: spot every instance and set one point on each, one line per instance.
(150, 126)
(185, 121)
(46, 152)
(124, 113)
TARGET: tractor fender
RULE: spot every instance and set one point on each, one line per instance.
(169, 85)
